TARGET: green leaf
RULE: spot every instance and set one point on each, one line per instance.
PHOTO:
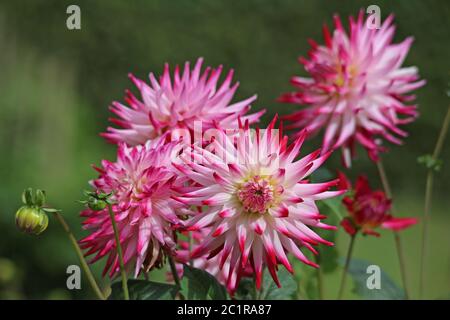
(28, 197)
(288, 289)
(388, 289)
(429, 162)
(270, 291)
(201, 285)
(334, 206)
(246, 289)
(144, 290)
(321, 174)
(51, 210)
(328, 256)
(40, 197)
(328, 259)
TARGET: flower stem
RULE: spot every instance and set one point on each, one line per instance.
(319, 276)
(428, 198)
(191, 247)
(401, 256)
(119, 253)
(347, 263)
(176, 278)
(384, 179)
(173, 270)
(80, 255)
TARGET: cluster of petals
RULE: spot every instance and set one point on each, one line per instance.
(142, 182)
(357, 89)
(260, 205)
(192, 98)
(369, 209)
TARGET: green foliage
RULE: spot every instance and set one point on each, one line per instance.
(269, 290)
(430, 162)
(144, 290)
(333, 206)
(321, 174)
(388, 291)
(199, 285)
(288, 289)
(335, 211)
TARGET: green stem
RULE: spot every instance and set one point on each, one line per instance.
(119, 252)
(80, 255)
(176, 278)
(191, 247)
(442, 134)
(173, 270)
(400, 253)
(428, 200)
(401, 259)
(384, 179)
(347, 263)
(319, 275)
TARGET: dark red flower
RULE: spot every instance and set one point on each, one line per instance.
(369, 209)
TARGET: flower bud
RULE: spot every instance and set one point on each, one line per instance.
(96, 204)
(97, 201)
(31, 220)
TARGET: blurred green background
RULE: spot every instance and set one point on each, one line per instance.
(56, 85)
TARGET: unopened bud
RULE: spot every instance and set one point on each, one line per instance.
(96, 204)
(32, 217)
(31, 220)
(97, 201)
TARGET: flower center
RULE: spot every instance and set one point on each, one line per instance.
(256, 195)
(345, 75)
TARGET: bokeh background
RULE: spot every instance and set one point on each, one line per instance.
(56, 85)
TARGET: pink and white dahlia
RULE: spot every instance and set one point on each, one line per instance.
(142, 183)
(191, 98)
(357, 89)
(260, 205)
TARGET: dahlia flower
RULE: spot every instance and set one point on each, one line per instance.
(260, 205)
(191, 98)
(357, 89)
(141, 181)
(369, 209)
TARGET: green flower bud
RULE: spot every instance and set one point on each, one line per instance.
(31, 220)
(96, 204)
(97, 201)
